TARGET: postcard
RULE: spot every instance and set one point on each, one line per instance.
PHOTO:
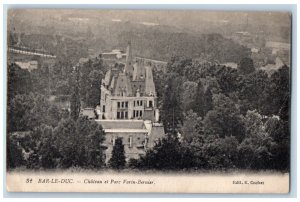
(148, 101)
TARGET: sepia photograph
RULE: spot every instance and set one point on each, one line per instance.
(148, 101)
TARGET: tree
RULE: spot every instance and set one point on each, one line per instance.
(67, 143)
(79, 143)
(172, 114)
(92, 135)
(75, 97)
(255, 150)
(279, 130)
(47, 151)
(40, 79)
(225, 119)
(254, 127)
(93, 93)
(246, 154)
(198, 104)
(14, 155)
(18, 81)
(192, 126)
(178, 64)
(117, 160)
(168, 154)
(220, 153)
(18, 113)
(246, 66)
(279, 93)
(38, 115)
(188, 94)
(253, 90)
(228, 78)
(203, 99)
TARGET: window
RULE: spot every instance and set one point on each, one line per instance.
(103, 108)
(130, 141)
(126, 115)
(122, 104)
(150, 103)
(134, 103)
(126, 104)
(141, 113)
(118, 104)
(118, 115)
(122, 115)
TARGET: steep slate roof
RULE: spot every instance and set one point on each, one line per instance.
(149, 83)
(123, 86)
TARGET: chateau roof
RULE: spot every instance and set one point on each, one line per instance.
(126, 82)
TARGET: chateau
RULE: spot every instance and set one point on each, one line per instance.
(128, 107)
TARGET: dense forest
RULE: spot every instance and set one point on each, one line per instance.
(43, 134)
(217, 117)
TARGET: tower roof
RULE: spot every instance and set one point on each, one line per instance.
(128, 65)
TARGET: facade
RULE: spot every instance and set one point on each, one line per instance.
(128, 107)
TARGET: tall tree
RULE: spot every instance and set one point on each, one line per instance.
(172, 114)
(94, 92)
(203, 99)
(75, 96)
(188, 95)
(117, 160)
(47, 151)
(67, 143)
